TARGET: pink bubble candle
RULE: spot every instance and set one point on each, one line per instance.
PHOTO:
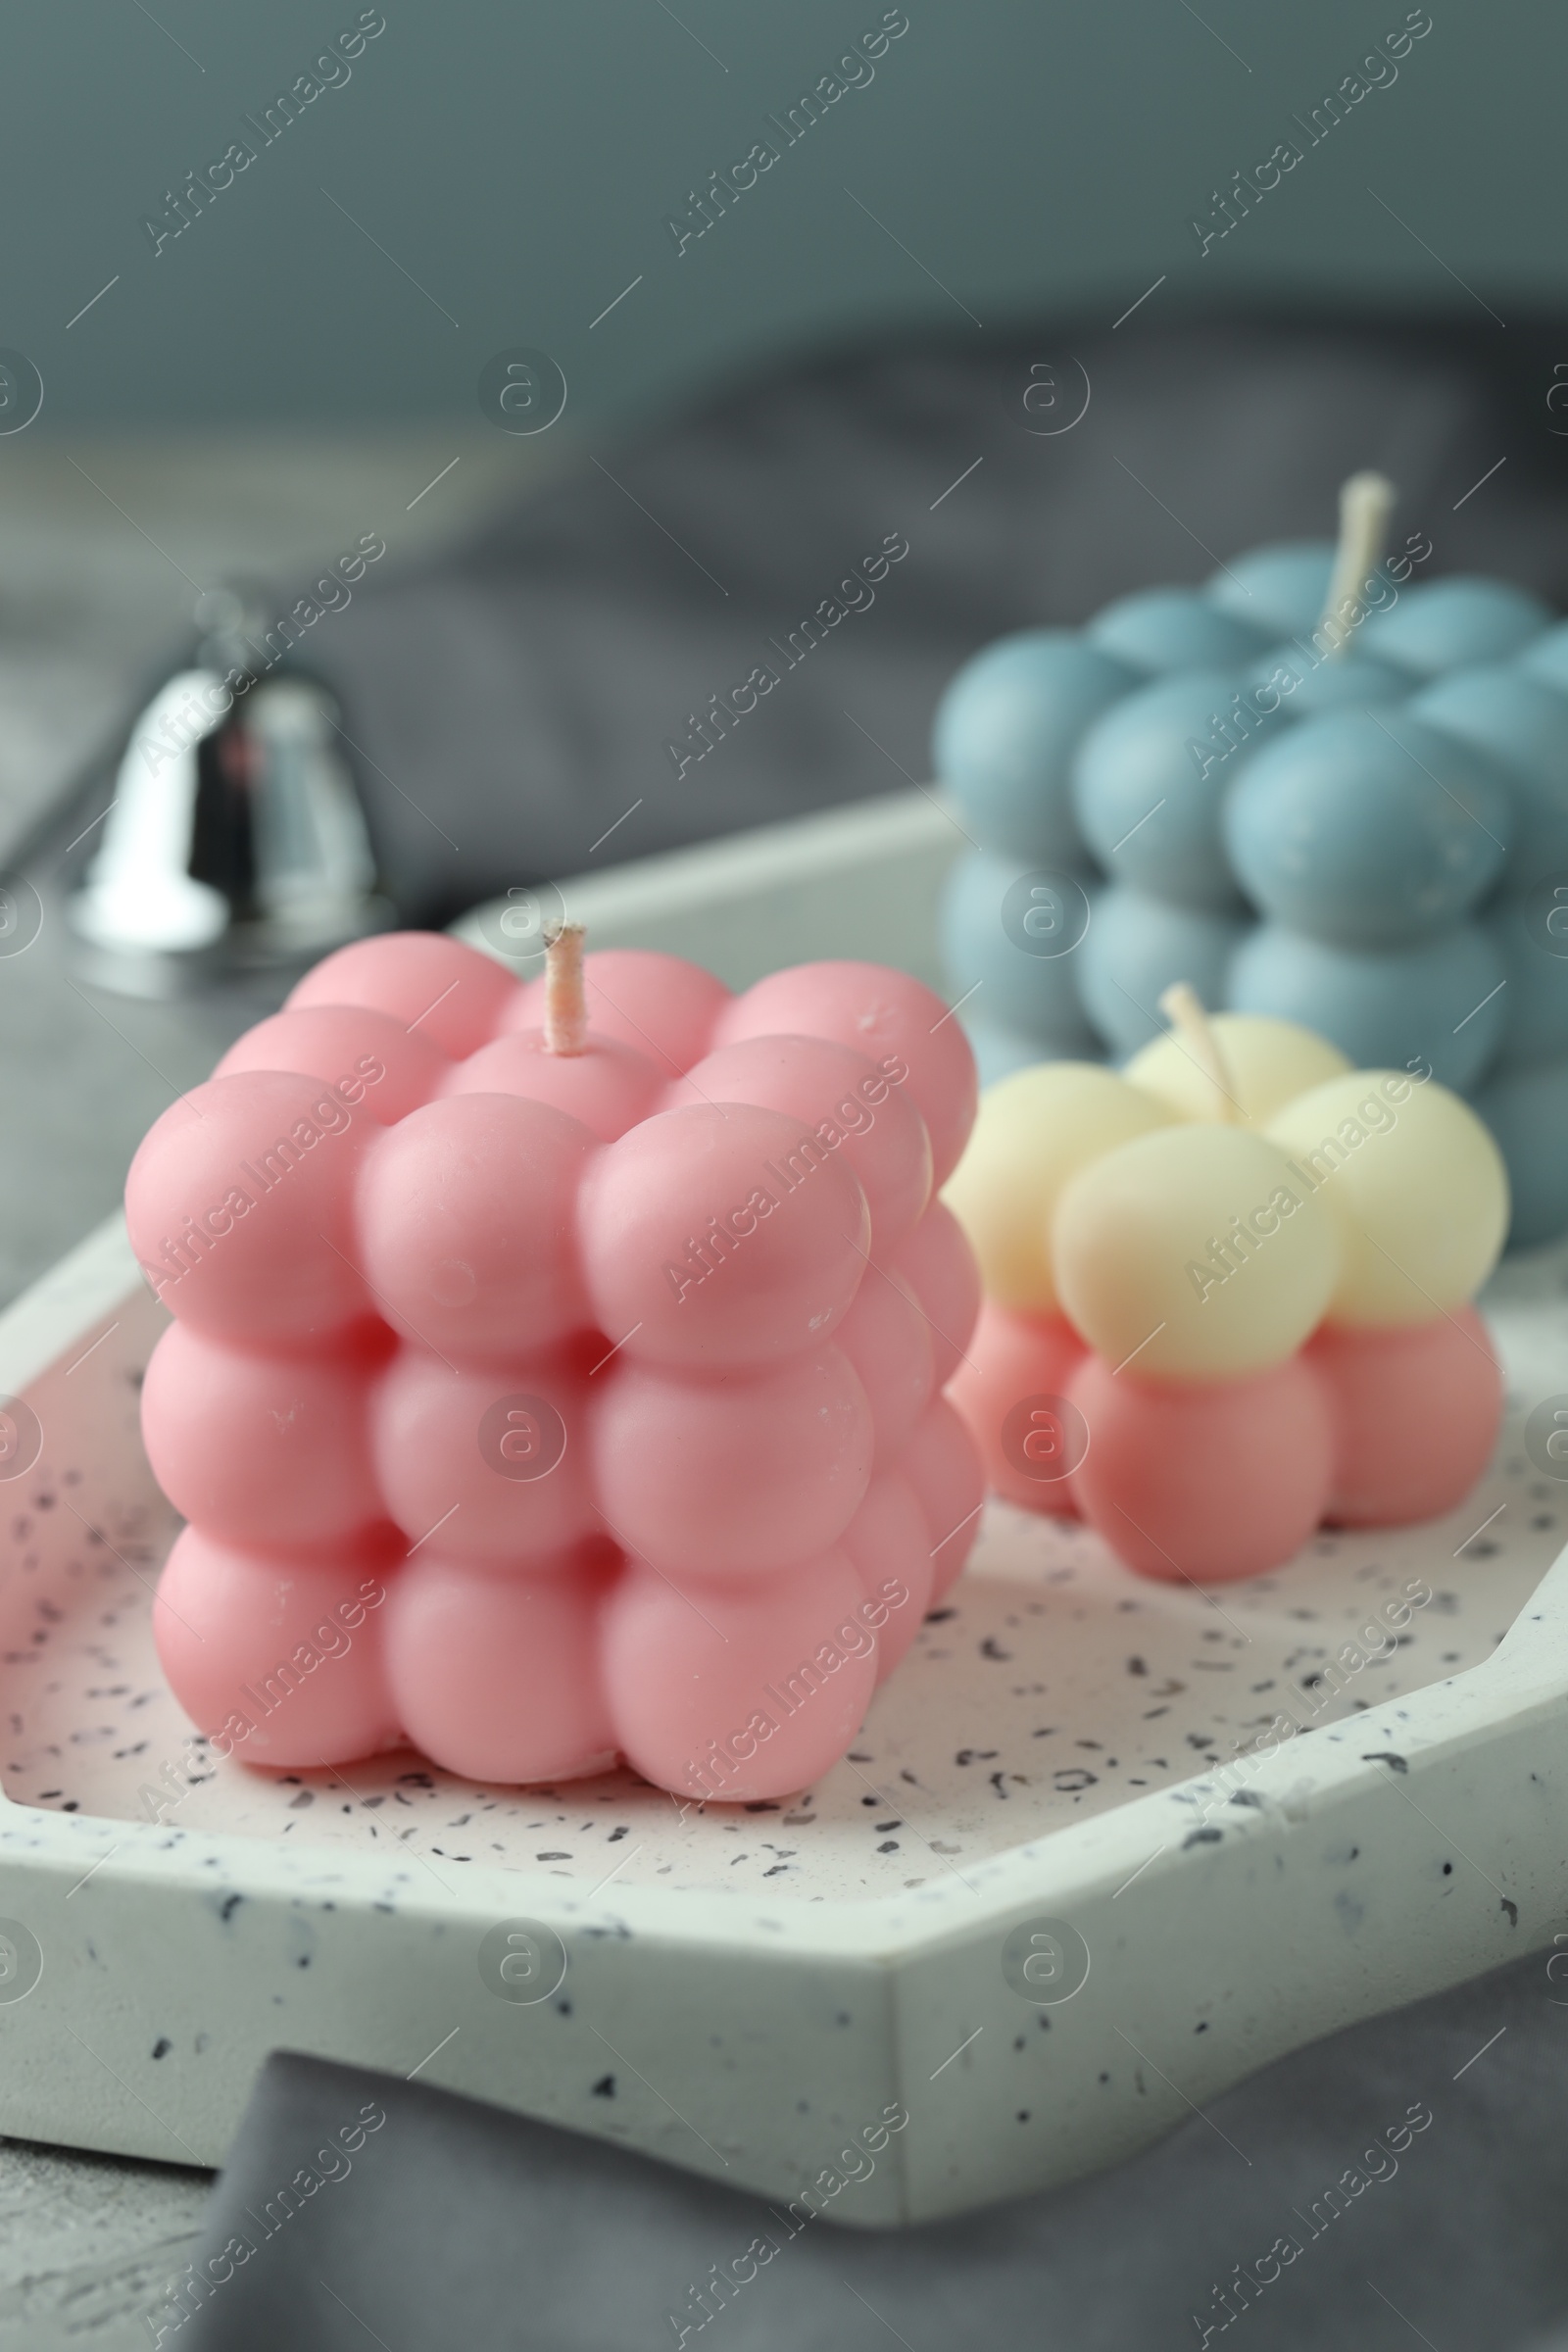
(556, 1374)
(1228, 1293)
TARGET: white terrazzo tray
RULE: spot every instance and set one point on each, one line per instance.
(1048, 1787)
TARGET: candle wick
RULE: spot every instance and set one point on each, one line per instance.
(566, 1002)
(1194, 1032)
(1366, 502)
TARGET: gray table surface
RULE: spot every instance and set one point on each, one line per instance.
(101, 546)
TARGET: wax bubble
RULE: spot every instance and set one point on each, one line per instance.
(739, 1693)
(372, 1057)
(732, 1477)
(1012, 1397)
(888, 1339)
(891, 1552)
(1033, 1132)
(940, 1270)
(720, 1235)
(841, 1097)
(659, 1006)
(894, 1020)
(1194, 1251)
(1266, 1065)
(1202, 1485)
(496, 1462)
(607, 1086)
(449, 992)
(942, 1465)
(263, 1447)
(1416, 1413)
(241, 1207)
(467, 1225)
(280, 1662)
(498, 1674)
(1414, 1185)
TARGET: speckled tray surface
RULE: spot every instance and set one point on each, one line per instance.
(1054, 1684)
(1048, 1761)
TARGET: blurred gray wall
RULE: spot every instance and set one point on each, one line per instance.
(510, 167)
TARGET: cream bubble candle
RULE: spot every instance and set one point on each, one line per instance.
(1227, 1294)
(556, 1374)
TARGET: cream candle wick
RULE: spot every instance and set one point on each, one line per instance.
(565, 1004)
(1367, 501)
(1192, 1029)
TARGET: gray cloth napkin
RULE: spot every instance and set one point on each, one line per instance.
(531, 704)
(1403, 2182)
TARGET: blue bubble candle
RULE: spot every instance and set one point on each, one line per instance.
(1314, 788)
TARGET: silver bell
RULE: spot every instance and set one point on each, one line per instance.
(236, 842)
